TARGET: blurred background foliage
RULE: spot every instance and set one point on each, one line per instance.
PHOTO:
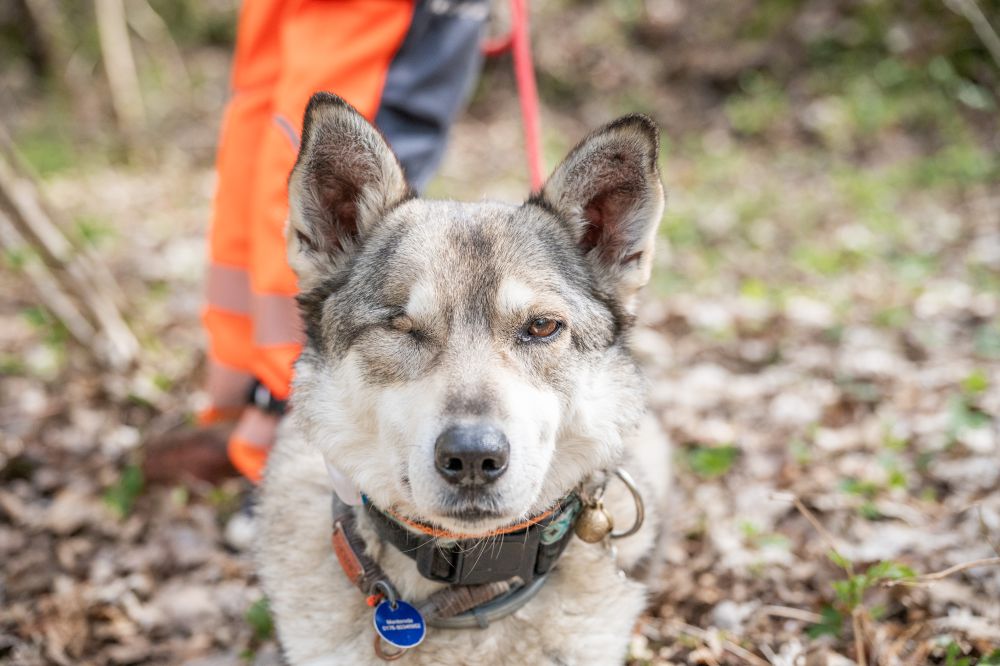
(849, 76)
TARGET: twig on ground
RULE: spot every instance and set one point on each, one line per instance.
(927, 579)
(792, 613)
(847, 565)
(824, 533)
(899, 644)
(729, 646)
(859, 636)
(985, 531)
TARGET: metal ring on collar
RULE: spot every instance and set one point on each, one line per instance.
(640, 508)
(388, 591)
(480, 618)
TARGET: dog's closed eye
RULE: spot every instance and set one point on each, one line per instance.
(404, 324)
(401, 323)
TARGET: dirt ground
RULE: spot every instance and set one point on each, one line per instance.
(822, 339)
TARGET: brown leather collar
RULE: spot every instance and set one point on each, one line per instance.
(366, 574)
(525, 551)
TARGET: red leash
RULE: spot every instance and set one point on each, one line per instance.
(527, 90)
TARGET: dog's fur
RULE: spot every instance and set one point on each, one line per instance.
(415, 314)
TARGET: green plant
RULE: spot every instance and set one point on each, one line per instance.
(953, 656)
(867, 491)
(710, 462)
(987, 341)
(258, 616)
(850, 594)
(975, 383)
(830, 624)
(92, 231)
(762, 103)
(122, 494)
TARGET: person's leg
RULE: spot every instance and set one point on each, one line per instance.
(227, 314)
(428, 81)
(406, 64)
(345, 47)
(202, 452)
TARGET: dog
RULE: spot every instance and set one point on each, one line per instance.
(464, 399)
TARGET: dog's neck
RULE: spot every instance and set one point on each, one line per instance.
(418, 561)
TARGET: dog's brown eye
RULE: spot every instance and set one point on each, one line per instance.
(542, 328)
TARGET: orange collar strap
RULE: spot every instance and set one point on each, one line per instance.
(440, 533)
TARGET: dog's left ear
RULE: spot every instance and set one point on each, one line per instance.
(609, 189)
(345, 180)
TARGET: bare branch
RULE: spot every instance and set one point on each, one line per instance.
(119, 65)
(974, 15)
(49, 291)
(75, 273)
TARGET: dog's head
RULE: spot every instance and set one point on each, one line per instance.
(466, 364)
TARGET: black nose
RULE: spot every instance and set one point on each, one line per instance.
(471, 455)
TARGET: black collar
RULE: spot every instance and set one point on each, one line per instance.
(526, 553)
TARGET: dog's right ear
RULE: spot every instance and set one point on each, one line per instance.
(345, 179)
(608, 190)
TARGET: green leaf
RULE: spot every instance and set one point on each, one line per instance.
(897, 479)
(869, 511)
(711, 462)
(952, 658)
(964, 415)
(975, 383)
(754, 289)
(122, 494)
(831, 624)
(866, 489)
(843, 590)
(839, 560)
(92, 231)
(258, 616)
(987, 341)
(851, 591)
(894, 443)
(992, 659)
(889, 570)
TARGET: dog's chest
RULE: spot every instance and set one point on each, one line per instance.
(583, 615)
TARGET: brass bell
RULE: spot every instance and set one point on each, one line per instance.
(594, 523)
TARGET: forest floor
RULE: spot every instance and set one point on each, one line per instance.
(822, 337)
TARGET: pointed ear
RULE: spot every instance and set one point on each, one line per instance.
(609, 189)
(345, 179)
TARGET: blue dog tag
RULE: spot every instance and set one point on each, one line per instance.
(403, 627)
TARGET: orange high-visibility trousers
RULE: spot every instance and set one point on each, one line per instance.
(286, 50)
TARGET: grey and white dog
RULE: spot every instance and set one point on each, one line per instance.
(508, 325)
